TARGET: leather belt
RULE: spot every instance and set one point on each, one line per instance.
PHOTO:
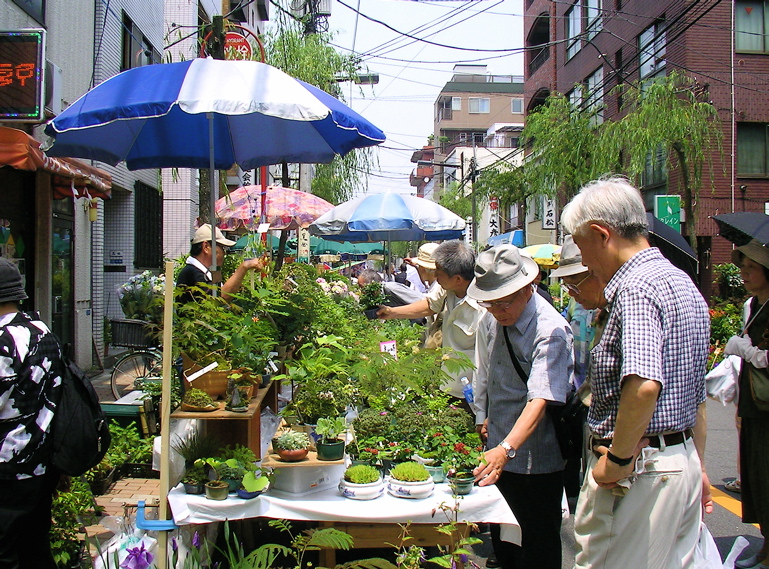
(655, 441)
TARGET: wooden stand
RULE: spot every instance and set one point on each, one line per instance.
(238, 428)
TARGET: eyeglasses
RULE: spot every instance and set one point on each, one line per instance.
(574, 289)
(497, 304)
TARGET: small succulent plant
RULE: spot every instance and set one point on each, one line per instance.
(410, 472)
(292, 440)
(361, 474)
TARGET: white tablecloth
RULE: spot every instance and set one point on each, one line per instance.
(482, 505)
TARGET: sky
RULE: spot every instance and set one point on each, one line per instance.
(411, 72)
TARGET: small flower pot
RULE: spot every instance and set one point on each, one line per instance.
(413, 490)
(293, 455)
(217, 492)
(371, 313)
(361, 491)
(436, 473)
(330, 451)
(194, 488)
(246, 495)
(462, 484)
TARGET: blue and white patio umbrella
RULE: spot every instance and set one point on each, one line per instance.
(207, 113)
(389, 217)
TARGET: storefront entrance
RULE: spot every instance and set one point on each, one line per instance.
(62, 301)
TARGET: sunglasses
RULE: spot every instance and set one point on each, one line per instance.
(574, 289)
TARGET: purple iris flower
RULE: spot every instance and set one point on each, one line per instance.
(196, 540)
(137, 558)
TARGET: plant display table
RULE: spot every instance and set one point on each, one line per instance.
(371, 523)
(237, 428)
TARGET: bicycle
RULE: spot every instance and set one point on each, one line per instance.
(142, 362)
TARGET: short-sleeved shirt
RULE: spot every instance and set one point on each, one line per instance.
(657, 328)
(583, 325)
(30, 388)
(542, 341)
(460, 322)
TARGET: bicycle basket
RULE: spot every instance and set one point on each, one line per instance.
(131, 334)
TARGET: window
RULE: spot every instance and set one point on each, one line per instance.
(573, 29)
(752, 149)
(478, 138)
(478, 105)
(750, 26)
(592, 17)
(655, 174)
(516, 106)
(594, 96)
(148, 227)
(456, 103)
(651, 51)
(462, 137)
(137, 51)
(575, 97)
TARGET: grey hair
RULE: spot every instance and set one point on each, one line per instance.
(455, 258)
(367, 276)
(613, 202)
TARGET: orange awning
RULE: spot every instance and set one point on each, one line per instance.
(70, 177)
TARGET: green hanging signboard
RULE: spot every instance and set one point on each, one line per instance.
(668, 210)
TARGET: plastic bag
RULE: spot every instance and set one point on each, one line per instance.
(721, 381)
(269, 425)
(706, 554)
(128, 540)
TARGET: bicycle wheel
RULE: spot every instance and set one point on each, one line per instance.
(131, 369)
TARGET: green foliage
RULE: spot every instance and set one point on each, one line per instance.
(409, 472)
(454, 199)
(292, 440)
(197, 398)
(372, 295)
(196, 474)
(361, 474)
(196, 445)
(99, 472)
(330, 428)
(126, 444)
(729, 281)
(70, 510)
(244, 455)
(254, 482)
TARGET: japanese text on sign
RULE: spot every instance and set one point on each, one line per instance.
(21, 75)
(548, 213)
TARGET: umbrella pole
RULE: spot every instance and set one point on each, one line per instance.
(213, 193)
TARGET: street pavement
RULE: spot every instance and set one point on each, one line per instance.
(724, 523)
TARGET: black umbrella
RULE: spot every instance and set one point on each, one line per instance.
(741, 227)
(672, 245)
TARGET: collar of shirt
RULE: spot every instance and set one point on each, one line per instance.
(643, 256)
(529, 312)
(195, 263)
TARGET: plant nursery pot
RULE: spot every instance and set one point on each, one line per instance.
(99, 487)
(361, 491)
(371, 313)
(217, 492)
(330, 451)
(292, 455)
(194, 488)
(436, 473)
(413, 490)
(462, 484)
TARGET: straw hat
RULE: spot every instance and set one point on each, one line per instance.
(425, 256)
(501, 271)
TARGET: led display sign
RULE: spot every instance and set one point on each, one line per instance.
(22, 69)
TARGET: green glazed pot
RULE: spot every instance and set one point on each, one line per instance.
(330, 451)
(216, 493)
(437, 473)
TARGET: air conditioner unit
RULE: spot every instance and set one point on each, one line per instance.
(324, 8)
(53, 82)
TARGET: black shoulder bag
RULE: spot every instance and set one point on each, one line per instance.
(568, 419)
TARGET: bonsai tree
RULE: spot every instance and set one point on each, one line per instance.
(361, 474)
(196, 474)
(330, 428)
(410, 472)
(292, 440)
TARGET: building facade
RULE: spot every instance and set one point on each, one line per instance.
(585, 48)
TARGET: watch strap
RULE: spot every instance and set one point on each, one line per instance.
(617, 460)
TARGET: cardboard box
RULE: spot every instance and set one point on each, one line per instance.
(306, 476)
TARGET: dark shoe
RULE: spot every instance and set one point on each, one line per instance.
(492, 562)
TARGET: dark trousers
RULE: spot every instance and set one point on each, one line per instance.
(25, 520)
(535, 499)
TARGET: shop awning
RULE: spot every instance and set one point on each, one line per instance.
(70, 177)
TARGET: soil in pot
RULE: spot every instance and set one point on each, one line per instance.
(217, 490)
(330, 451)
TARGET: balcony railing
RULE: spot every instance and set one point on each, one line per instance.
(537, 61)
(444, 114)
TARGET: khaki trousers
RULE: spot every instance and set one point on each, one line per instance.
(654, 525)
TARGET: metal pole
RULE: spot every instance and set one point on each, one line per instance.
(214, 192)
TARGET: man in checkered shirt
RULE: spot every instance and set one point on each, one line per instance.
(642, 497)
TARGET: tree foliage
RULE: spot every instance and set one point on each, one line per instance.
(454, 199)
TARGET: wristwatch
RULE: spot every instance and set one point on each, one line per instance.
(618, 461)
(509, 451)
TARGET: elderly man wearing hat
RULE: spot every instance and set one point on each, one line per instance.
(751, 346)
(421, 269)
(197, 270)
(525, 362)
(647, 377)
(30, 375)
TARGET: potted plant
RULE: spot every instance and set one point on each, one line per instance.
(410, 480)
(195, 478)
(100, 477)
(217, 489)
(372, 297)
(230, 471)
(329, 446)
(292, 446)
(198, 400)
(361, 482)
(254, 482)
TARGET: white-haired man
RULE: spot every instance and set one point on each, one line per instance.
(640, 502)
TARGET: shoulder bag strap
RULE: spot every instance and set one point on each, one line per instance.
(523, 375)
